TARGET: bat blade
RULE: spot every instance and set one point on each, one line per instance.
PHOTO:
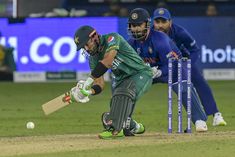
(56, 103)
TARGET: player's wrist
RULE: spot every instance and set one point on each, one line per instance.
(96, 89)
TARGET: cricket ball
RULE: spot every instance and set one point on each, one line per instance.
(30, 125)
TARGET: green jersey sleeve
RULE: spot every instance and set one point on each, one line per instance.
(126, 62)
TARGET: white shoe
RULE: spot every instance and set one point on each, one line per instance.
(218, 120)
(201, 126)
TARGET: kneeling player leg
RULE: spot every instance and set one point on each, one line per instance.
(196, 107)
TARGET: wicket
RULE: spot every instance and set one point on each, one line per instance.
(179, 98)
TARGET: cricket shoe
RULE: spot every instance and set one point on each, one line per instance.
(139, 129)
(218, 120)
(110, 135)
(201, 126)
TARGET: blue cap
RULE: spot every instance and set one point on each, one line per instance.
(162, 13)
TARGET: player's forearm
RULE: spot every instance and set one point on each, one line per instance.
(194, 55)
(109, 58)
(99, 71)
(104, 64)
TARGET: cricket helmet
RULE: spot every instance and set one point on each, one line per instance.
(83, 35)
(137, 17)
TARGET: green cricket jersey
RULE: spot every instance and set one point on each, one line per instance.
(126, 63)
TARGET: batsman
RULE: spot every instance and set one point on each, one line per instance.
(131, 76)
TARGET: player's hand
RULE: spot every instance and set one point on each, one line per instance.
(78, 96)
(156, 72)
(172, 55)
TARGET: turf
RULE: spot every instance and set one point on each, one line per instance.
(21, 102)
(210, 149)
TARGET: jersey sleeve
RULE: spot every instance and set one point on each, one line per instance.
(113, 42)
(92, 62)
(189, 44)
(175, 49)
(165, 49)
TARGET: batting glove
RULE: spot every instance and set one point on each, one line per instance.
(80, 84)
(78, 96)
(156, 72)
(87, 84)
(82, 89)
(85, 92)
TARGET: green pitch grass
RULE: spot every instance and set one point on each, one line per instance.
(72, 131)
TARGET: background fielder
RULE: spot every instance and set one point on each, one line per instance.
(188, 46)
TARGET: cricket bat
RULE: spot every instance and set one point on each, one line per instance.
(56, 103)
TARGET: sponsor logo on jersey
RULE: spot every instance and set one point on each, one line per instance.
(110, 39)
(116, 62)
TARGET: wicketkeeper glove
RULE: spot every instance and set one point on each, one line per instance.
(156, 72)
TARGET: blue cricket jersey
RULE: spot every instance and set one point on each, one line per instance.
(156, 50)
(185, 42)
(189, 48)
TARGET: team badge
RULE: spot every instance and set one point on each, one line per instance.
(110, 39)
(161, 12)
(76, 40)
(150, 50)
(134, 16)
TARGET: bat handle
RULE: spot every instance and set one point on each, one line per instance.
(67, 98)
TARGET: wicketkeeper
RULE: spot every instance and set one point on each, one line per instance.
(155, 48)
(189, 48)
